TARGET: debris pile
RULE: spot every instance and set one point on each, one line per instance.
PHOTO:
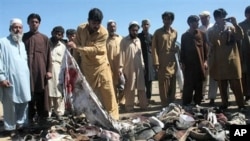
(173, 123)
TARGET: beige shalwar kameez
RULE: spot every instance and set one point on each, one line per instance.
(95, 65)
(113, 51)
(55, 96)
(163, 51)
(131, 62)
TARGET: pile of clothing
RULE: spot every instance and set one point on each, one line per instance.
(173, 123)
(90, 122)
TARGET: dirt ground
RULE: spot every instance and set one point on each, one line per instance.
(154, 107)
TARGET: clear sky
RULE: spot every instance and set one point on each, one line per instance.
(71, 13)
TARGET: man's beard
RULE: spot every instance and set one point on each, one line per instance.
(132, 36)
(16, 37)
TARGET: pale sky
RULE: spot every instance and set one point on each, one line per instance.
(71, 13)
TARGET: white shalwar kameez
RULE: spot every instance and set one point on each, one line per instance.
(14, 68)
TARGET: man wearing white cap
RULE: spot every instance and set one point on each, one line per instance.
(205, 21)
(132, 66)
(14, 79)
(212, 84)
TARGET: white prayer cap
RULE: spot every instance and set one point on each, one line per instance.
(15, 20)
(134, 23)
(111, 21)
(204, 13)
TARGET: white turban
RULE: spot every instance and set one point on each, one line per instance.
(15, 20)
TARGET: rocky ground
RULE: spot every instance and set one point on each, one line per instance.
(154, 107)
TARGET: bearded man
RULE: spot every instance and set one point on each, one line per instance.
(14, 79)
(57, 48)
(132, 66)
(90, 43)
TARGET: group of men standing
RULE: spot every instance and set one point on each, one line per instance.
(142, 56)
(222, 52)
(211, 52)
(30, 63)
(25, 71)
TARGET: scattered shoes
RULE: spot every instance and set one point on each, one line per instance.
(237, 119)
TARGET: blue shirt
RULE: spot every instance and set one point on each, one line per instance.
(14, 68)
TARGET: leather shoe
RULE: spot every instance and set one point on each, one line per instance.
(218, 136)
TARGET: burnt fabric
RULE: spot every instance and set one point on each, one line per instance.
(80, 97)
